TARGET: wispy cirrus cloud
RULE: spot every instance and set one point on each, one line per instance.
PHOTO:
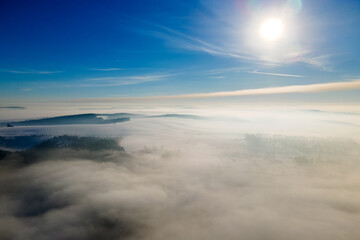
(223, 71)
(256, 54)
(189, 42)
(106, 69)
(132, 77)
(29, 71)
(110, 81)
(309, 88)
(321, 62)
(219, 77)
(276, 74)
(122, 80)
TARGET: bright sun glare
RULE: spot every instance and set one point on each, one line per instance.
(271, 29)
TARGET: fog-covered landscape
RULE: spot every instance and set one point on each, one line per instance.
(181, 120)
(183, 176)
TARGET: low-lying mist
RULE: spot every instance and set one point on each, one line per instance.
(175, 178)
(254, 187)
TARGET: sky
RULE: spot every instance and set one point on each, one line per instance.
(117, 50)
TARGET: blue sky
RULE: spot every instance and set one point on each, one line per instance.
(56, 50)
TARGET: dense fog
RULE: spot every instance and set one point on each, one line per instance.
(176, 178)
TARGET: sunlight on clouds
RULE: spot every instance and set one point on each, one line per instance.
(275, 44)
(252, 27)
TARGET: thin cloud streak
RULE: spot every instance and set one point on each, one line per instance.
(189, 42)
(110, 81)
(139, 77)
(107, 69)
(219, 77)
(276, 74)
(30, 71)
(310, 88)
(192, 43)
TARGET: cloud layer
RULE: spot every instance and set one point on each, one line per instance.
(192, 187)
(309, 88)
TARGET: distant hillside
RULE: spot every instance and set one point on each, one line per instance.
(3, 154)
(44, 142)
(75, 142)
(66, 148)
(89, 118)
(21, 142)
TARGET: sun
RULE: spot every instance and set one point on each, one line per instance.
(272, 29)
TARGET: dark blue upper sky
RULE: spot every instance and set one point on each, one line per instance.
(84, 49)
